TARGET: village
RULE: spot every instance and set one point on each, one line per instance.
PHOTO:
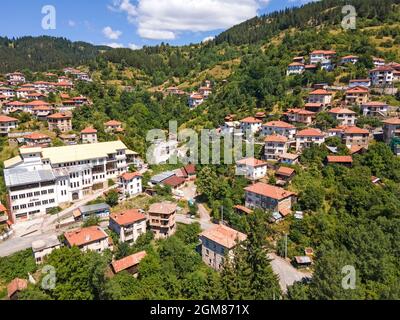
(53, 190)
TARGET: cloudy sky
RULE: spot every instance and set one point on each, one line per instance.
(133, 23)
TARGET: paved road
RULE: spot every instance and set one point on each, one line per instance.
(183, 218)
(286, 272)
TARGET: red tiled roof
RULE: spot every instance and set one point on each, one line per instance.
(340, 159)
(395, 121)
(15, 103)
(60, 116)
(328, 52)
(375, 104)
(85, 236)
(89, 130)
(127, 176)
(251, 162)
(357, 90)
(285, 171)
(113, 123)
(15, 286)
(37, 103)
(275, 138)
(174, 181)
(355, 130)
(128, 262)
(127, 217)
(251, 120)
(293, 64)
(360, 80)
(321, 92)
(269, 191)
(279, 124)
(382, 69)
(243, 208)
(36, 136)
(224, 236)
(341, 110)
(163, 208)
(350, 57)
(2, 208)
(7, 119)
(310, 133)
(190, 169)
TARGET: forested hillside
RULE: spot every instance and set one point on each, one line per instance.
(44, 53)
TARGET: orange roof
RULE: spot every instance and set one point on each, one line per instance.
(251, 120)
(37, 103)
(355, 149)
(89, 130)
(7, 119)
(375, 104)
(15, 286)
(295, 64)
(340, 159)
(224, 236)
(36, 136)
(341, 111)
(357, 90)
(128, 262)
(15, 103)
(355, 130)
(321, 92)
(174, 181)
(243, 208)
(163, 208)
(85, 236)
(382, 69)
(350, 57)
(251, 162)
(310, 133)
(395, 121)
(42, 108)
(60, 116)
(127, 217)
(285, 171)
(113, 123)
(279, 124)
(328, 52)
(275, 138)
(269, 191)
(127, 176)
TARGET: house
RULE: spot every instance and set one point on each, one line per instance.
(230, 127)
(8, 92)
(267, 197)
(300, 116)
(391, 129)
(218, 243)
(131, 183)
(314, 107)
(378, 62)
(344, 116)
(250, 125)
(14, 106)
(284, 174)
(375, 109)
(366, 83)
(4, 218)
(382, 76)
(280, 128)
(195, 99)
(91, 238)
(288, 158)
(205, 92)
(299, 59)
(349, 59)
(260, 115)
(175, 91)
(324, 58)
(174, 182)
(129, 264)
(89, 135)
(353, 136)
(113, 126)
(23, 92)
(302, 261)
(7, 124)
(320, 96)
(274, 146)
(37, 139)
(15, 287)
(98, 210)
(161, 217)
(39, 179)
(242, 209)
(295, 68)
(42, 248)
(60, 121)
(310, 67)
(129, 225)
(345, 160)
(357, 95)
(251, 168)
(308, 137)
(79, 101)
(68, 139)
(15, 78)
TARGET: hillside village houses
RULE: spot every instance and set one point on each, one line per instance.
(161, 217)
(89, 135)
(280, 128)
(251, 168)
(42, 248)
(275, 146)
(113, 126)
(375, 109)
(42, 178)
(217, 243)
(349, 59)
(346, 117)
(7, 124)
(382, 76)
(321, 96)
(307, 137)
(60, 121)
(15, 78)
(131, 183)
(324, 58)
(300, 116)
(91, 238)
(128, 225)
(351, 136)
(37, 139)
(250, 124)
(195, 99)
(357, 95)
(378, 62)
(391, 129)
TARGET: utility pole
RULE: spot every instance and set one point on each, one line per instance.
(286, 242)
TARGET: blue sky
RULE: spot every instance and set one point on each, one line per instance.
(133, 23)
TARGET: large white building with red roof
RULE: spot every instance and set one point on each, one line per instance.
(251, 168)
(250, 124)
(344, 116)
(129, 225)
(7, 124)
(375, 109)
(89, 135)
(131, 183)
(321, 96)
(357, 95)
(279, 127)
(308, 137)
(382, 76)
(91, 238)
(274, 146)
(324, 58)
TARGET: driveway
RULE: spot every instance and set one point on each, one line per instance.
(286, 272)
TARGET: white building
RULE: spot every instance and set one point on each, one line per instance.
(344, 116)
(323, 57)
(251, 168)
(7, 124)
(42, 248)
(378, 62)
(8, 92)
(382, 76)
(391, 129)
(295, 68)
(280, 128)
(15, 78)
(229, 127)
(360, 83)
(250, 124)
(90, 238)
(131, 183)
(129, 225)
(42, 178)
(275, 146)
(375, 109)
(89, 135)
(308, 137)
(349, 59)
(195, 99)
(321, 96)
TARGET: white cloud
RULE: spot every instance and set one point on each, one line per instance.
(206, 39)
(165, 19)
(134, 46)
(71, 23)
(114, 45)
(111, 34)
